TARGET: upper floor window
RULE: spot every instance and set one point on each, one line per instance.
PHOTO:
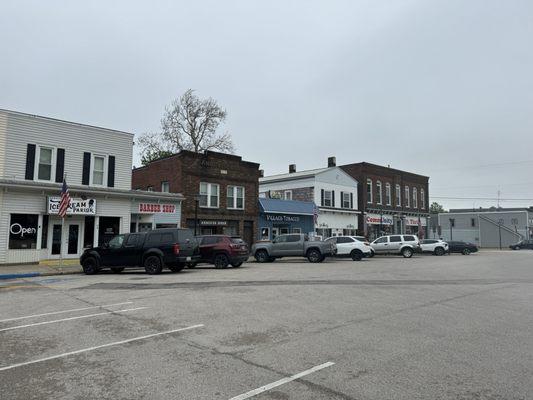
(346, 201)
(209, 195)
(288, 195)
(45, 164)
(165, 187)
(415, 198)
(387, 194)
(235, 197)
(423, 198)
(398, 196)
(369, 190)
(407, 197)
(98, 170)
(328, 198)
(379, 193)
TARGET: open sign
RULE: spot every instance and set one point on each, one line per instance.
(18, 229)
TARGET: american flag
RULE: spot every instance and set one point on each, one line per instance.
(65, 200)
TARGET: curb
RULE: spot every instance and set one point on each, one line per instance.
(36, 274)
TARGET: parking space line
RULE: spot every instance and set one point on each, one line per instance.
(283, 381)
(70, 319)
(64, 311)
(70, 353)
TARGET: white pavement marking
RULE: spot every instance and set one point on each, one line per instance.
(64, 311)
(272, 385)
(70, 353)
(70, 319)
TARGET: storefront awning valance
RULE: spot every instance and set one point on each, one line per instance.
(277, 206)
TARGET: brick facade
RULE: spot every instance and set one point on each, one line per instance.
(377, 173)
(186, 170)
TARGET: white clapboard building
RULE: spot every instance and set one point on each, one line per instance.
(36, 153)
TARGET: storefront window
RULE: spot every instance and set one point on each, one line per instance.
(23, 231)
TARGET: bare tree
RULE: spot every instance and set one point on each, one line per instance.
(189, 123)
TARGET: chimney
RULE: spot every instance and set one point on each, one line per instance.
(332, 162)
(292, 168)
(261, 173)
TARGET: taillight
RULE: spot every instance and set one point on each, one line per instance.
(176, 248)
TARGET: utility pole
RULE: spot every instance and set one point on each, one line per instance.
(499, 193)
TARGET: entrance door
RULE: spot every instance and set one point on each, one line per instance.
(56, 239)
(73, 239)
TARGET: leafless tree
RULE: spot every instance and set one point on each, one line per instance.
(189, 123)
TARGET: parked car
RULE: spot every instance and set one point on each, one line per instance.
(349, 246)
(523, 244)
(406, 245)
(435, 246)
(153, 250)
(293, 245)
(462, 247)
(221, 251)
(365, 241)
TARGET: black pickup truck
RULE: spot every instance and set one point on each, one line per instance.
(153, 250)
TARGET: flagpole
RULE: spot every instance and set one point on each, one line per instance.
(61, 246)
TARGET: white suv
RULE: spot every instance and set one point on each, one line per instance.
(349, 246)
(437, 247)
(406, 245)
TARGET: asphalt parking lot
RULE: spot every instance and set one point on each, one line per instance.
(451, 327)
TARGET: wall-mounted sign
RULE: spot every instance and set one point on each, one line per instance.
(77, 206)
(377, 219)
(211, 222)
(156, 208)
(282, 218)
(413, 221)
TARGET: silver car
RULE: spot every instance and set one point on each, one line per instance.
(406, 245)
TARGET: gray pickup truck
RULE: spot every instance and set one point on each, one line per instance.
(293, 245)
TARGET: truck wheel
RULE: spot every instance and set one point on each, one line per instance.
(117, 270)
(466, 252)
(439, 251)
(153, 265)
(261, 256)
(314, 256)
(221, 261)
(407, 252)
(90, 266)
(356, 255)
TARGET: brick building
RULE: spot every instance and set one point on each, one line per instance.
(392, 201)
(221, 190)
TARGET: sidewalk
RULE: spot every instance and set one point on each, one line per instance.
(44, 268)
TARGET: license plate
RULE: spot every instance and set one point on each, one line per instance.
(188, 258)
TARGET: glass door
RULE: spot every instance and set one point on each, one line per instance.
(73, 239)
(56, 239)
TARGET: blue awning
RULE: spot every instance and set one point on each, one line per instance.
(276, 206)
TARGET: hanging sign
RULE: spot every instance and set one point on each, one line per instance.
(76, 207)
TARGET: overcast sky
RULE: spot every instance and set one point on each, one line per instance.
(439, 88)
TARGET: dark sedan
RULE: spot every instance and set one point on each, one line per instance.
(462, 247)
(523, 244)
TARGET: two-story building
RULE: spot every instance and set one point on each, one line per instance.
(331, 189)
(36, 154)
(221, 190)
(392, 200)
